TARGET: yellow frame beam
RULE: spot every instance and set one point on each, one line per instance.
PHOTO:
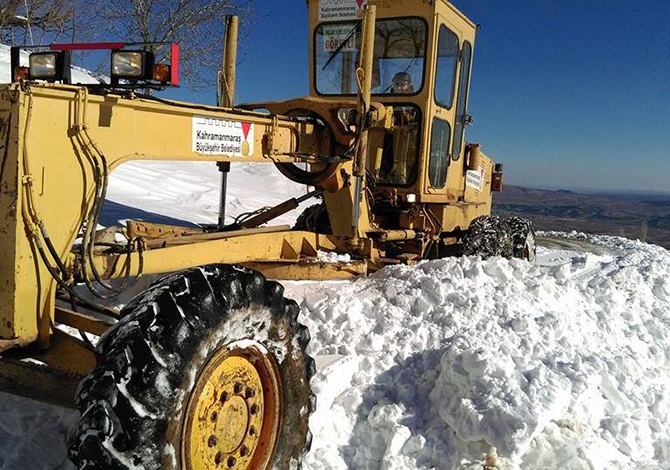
(275, 246)
(50, 181)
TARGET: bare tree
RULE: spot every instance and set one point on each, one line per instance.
(197, 25)
(25, 22)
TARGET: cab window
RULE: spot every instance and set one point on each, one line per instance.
(447, 61)
(398, 57)
(439, 153)
(399, 165)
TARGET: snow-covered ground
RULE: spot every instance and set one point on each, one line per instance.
(190, 191)
(455, 363)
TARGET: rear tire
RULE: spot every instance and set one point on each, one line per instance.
(135, 403)
(523, 238)
(487, 236)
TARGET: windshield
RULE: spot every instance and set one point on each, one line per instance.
(398, 59)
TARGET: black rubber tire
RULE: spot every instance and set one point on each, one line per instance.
(147, 362)
(487, 236)
(314, 219)
(522, 232)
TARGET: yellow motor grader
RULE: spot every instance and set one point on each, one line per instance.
(207, 368)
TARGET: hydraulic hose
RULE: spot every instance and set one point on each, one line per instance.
(36, 227)
(101, 172)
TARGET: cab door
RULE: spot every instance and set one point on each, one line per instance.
(440, 122)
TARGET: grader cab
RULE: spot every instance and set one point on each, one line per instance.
(207, 368)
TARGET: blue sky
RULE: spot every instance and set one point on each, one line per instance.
(567, 94)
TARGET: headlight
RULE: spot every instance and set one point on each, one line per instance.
(131, 64)
(45, 66)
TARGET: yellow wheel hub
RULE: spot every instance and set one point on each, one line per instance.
(232, 419)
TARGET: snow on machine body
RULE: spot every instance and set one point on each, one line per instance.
(207, 367)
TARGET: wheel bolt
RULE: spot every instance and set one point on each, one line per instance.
(214, 416)
(244, 451)
(218, 458)
(211, 442)
(231, 461)
(249, 393)
(238, 388)
(224, 397)
(252, 431)
(253, 409)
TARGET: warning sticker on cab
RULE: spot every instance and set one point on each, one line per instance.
(475, 178)
(222, 137)
(333, 36)
(339, 10)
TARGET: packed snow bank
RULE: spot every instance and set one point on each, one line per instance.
(560, 365)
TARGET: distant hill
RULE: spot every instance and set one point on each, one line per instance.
(636, 215)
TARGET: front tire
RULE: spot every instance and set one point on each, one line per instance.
(207, 369)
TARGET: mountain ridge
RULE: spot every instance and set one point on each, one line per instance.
(640, 216)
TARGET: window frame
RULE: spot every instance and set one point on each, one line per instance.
(437, 119)
(315, 78)
(443, 26)
(466, 99)
(422, 121)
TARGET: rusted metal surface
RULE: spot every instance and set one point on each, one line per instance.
(38, 382)
(81, 321)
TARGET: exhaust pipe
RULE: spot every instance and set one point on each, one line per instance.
(229, 66)
(226, 98)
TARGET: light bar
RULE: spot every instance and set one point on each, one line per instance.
(133, 68)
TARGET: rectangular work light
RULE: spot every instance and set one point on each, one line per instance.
(132, 65)
(46, 66)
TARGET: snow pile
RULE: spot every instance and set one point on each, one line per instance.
(332, 257)
(455, 363)
(560, 365)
